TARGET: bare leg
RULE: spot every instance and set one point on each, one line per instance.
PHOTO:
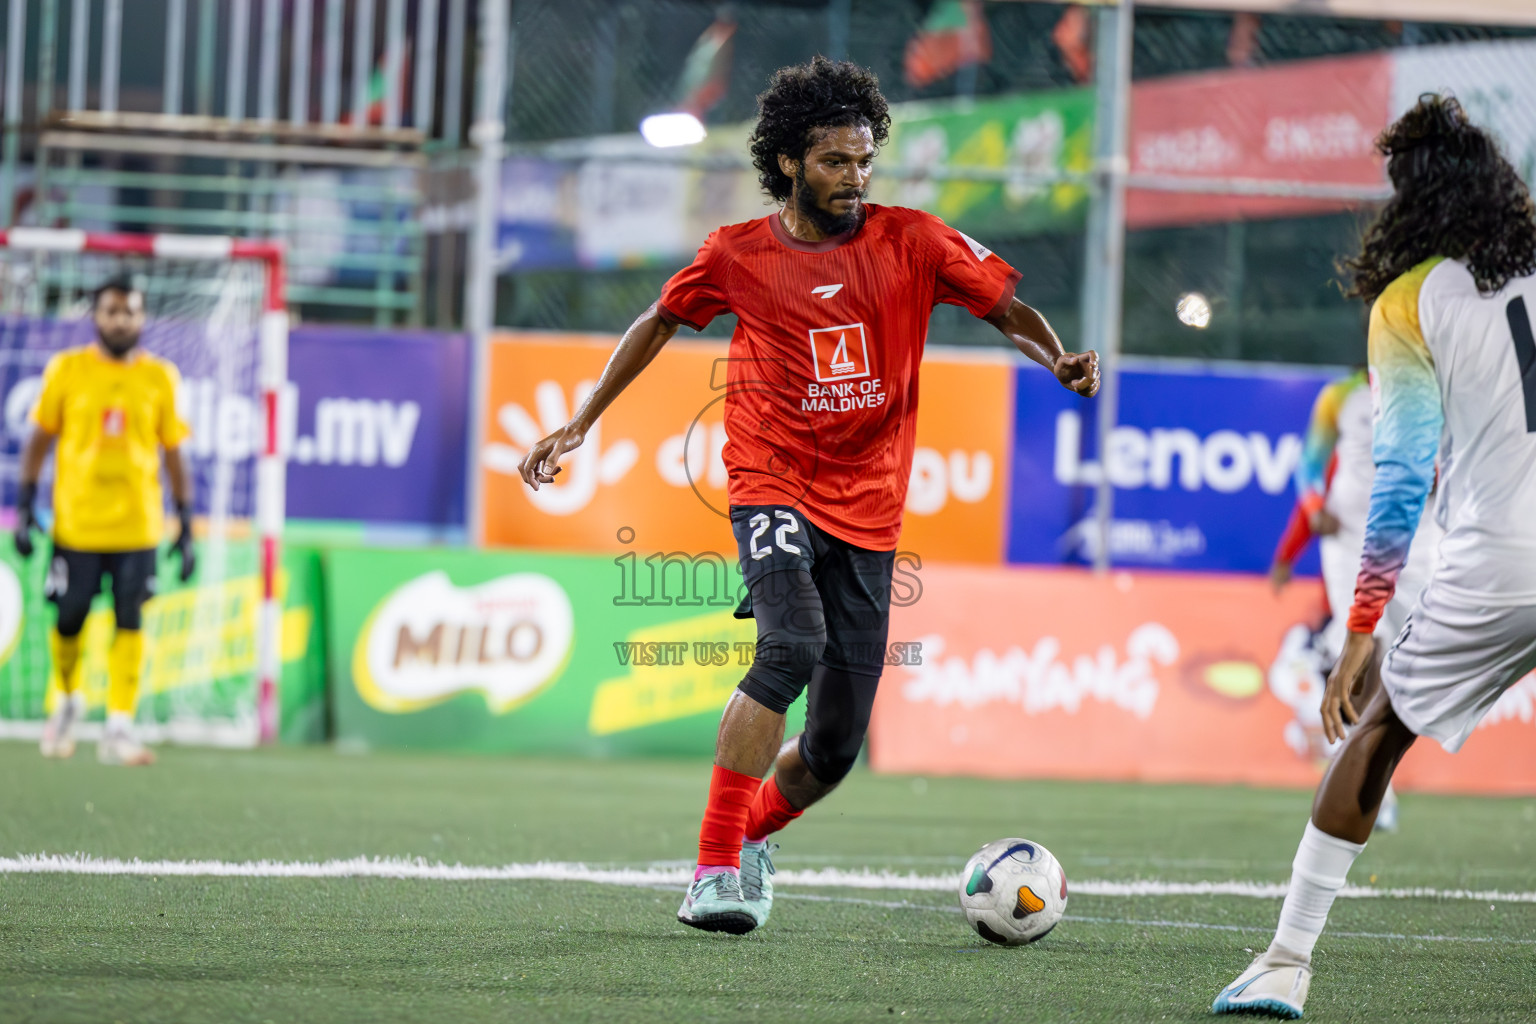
(749, 736)
(1351, 792)
(796, 782)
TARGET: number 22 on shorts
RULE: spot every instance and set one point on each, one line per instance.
(760, 524)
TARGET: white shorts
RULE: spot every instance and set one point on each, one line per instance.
(1453, 661)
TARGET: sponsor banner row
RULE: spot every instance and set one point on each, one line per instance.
(1030, 673)
(995, 671)
(1006, 464)
(374, 423)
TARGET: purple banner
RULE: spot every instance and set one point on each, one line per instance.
(378, 426)
(374, 427)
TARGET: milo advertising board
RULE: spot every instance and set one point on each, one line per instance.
(534, 652)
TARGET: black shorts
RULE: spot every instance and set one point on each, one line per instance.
(851, 601)
(74, 580)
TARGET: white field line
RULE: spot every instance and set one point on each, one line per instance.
(555, 871)
(1194, 925)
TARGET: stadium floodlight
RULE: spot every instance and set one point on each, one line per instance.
(216, 310)
(1194, 309)
(675, 129)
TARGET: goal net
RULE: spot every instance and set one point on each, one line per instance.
(214, 309)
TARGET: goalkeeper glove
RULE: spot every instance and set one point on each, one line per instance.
(183, 546)
(26, 518)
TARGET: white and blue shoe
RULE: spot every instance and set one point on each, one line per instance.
(1386, 817)
(1274, 985)
(714, 904)
(757, 878)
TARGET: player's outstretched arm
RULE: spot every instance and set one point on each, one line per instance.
(39, 442)
(636, 349)
(1032, 335)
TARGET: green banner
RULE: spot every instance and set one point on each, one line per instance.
(200, 647)
(1043, 133)
(534, 652)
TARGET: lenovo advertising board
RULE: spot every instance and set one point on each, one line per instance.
(1203, 463)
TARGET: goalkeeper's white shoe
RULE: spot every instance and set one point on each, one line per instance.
(1274, 985)
(59, 731)
(119, 747)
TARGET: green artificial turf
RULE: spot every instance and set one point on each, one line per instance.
(136, 948)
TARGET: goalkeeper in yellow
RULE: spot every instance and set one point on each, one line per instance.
(111, 408)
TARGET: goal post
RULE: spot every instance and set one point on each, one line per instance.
(216, 309)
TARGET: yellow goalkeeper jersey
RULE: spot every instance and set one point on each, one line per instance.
(111, 418)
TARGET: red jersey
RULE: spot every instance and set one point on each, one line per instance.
(821, 386)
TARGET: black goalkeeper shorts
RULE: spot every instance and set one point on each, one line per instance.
(75, 577)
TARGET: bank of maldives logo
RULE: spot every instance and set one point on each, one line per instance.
(840, 353)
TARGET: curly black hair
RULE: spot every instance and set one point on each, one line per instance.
(1454, 195)
(804, 100)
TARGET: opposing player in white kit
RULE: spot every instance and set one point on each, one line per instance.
(1451, 266)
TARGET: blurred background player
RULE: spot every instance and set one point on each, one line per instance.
(833, 298)
(1333, 486)
(112, 409)
(1449, 265)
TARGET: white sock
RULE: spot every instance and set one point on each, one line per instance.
(1317, 874)
(120, 723)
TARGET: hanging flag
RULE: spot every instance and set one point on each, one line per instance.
(378, 89)
(952, 36)
(1071, 37)
(707, 69)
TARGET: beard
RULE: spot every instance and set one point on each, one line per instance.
(119, 344)
(827, 222)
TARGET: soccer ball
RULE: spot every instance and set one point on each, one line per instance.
(1013, 891)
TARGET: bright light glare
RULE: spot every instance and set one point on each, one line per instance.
(1194, 309)
(664, 130)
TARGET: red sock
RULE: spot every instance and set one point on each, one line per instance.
(730, 797)
(770, 812)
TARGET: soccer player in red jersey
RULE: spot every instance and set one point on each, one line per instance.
(832, 297)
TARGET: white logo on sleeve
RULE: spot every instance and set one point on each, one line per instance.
(981, 251)
(826, 291)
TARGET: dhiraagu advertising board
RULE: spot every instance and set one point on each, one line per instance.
(535, 652)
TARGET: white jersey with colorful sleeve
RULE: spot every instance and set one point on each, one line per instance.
(1454, 372)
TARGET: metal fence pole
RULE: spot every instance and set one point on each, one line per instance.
(330, 82)
(362, 59)
(207, 36)
(79, 34)
(394, 61)
(1106, 244)
(271, 42)
(424, 54)
(111, 54)
(239, 51)
(47, 56)
(15, 57)
(175, 41)
(453, 85)
(486, 134)
(298, 61)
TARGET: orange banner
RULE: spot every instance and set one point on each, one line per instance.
(1160, 677)
(650, 475)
